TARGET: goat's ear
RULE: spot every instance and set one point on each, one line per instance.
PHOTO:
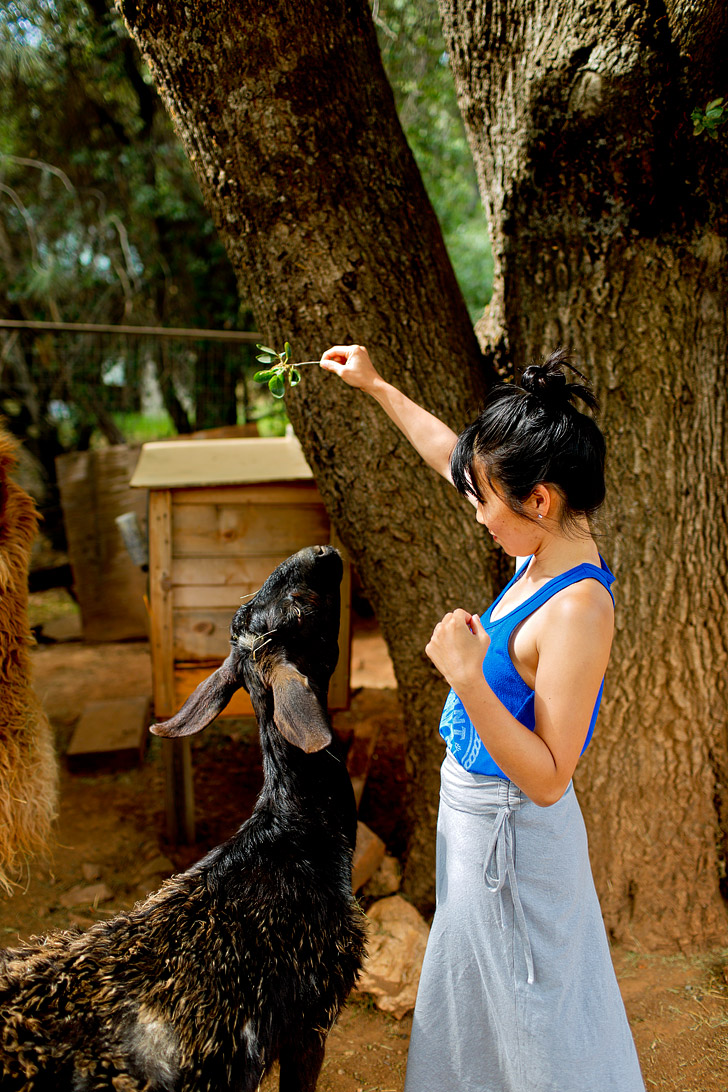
(297, 711)
(206, 702)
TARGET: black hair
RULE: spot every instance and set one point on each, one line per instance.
(533, 434)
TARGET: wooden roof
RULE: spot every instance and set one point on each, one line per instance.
(174, 464)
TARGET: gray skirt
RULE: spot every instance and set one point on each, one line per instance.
(518, 992)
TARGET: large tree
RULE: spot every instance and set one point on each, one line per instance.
(608, 221)
(608, 236)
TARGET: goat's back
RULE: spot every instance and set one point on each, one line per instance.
(204, 980)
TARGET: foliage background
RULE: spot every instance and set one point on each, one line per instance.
(101, 221)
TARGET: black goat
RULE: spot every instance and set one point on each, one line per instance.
(248, 956)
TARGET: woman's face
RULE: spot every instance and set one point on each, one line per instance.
(516, 534)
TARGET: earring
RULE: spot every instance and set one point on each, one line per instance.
(540, 516)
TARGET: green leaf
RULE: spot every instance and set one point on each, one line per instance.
(263, 377)
(716, 103)
(272, 352)
(287, 351)
(277, 385)
(268, 358)
(294, 377)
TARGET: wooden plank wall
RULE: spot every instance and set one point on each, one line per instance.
(209, 547)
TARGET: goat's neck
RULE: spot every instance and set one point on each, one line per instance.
(314, 787)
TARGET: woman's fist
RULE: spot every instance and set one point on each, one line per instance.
(352, 364)
(458, 646)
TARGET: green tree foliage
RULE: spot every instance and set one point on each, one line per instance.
(101, 221)
(107, 191)
(413, 50)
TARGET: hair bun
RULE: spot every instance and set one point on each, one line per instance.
(545, 382)
(548, 382)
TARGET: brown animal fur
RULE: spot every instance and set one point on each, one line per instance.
(28, 775)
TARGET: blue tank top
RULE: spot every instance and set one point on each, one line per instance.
(456, 727)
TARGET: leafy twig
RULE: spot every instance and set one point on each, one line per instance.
(707, 120)
(282, 369)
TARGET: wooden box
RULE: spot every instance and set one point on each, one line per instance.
(222, 514)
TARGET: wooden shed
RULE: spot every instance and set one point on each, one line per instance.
(222, 514)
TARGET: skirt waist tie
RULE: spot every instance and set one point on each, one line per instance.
(499, 865)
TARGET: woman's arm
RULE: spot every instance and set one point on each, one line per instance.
(429, 436)
(573, 651)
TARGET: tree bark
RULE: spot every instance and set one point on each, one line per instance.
(608, 222)
(304, 166)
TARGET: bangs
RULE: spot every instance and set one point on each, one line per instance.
(461, 464)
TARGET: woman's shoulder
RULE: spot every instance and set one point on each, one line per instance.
(585, 604)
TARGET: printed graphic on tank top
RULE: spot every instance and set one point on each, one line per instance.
(456, 727)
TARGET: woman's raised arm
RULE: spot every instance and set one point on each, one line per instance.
(429, 436)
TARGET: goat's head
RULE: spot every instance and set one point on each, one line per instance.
(283, 650)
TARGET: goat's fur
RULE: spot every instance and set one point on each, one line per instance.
(248, 956)
(28, 774)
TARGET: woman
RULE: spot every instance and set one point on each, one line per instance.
(517, 992)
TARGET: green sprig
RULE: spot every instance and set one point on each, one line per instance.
(707, 120)
(280, 368)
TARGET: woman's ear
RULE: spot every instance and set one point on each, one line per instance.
(541, 502)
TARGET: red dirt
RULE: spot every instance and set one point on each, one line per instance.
(111, 827)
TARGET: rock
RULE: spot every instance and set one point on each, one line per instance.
(395, 949)
(159, 866)
(90, 895)
(386, 880)
(81, 921)
(368, 855)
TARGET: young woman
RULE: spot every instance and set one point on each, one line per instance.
(518, 992)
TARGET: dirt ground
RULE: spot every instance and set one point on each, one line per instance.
(111, 832)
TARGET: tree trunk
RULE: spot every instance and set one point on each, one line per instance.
(608, 224)
(303, 164)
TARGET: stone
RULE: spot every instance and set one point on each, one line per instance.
(368, 855)
(387, 880)
(395, 949)
(90, 895)
(157, 866)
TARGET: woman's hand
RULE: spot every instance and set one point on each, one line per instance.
(458, 646)
(352, 364)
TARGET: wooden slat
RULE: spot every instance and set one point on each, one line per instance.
(213, 530)
(254, 493)
(211, 596)
(160, 601)
(201, 634)
(179, 791)
(188, 676)
(245, 573)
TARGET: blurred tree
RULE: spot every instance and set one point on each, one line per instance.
(413, 50)
(101, 221)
